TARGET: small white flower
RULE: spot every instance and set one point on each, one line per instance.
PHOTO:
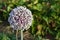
(20, 18)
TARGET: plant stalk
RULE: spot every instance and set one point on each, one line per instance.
(21, 34)
(16, 34)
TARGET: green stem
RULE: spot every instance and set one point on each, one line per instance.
(21, 34)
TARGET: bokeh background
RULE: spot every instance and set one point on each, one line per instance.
(46, 23)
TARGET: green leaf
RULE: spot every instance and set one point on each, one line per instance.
(37, 7)
(46, 19)
(8, 8)
(58, 35)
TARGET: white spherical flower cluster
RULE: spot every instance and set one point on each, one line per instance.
(20, 18)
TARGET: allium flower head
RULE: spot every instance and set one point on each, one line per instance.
(20, 18)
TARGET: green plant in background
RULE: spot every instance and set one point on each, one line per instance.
(4, 37)
(46, 16)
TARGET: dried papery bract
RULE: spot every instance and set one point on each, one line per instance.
(20, 18)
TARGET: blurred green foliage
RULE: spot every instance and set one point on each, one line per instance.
(46, 15)
(4, 36)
